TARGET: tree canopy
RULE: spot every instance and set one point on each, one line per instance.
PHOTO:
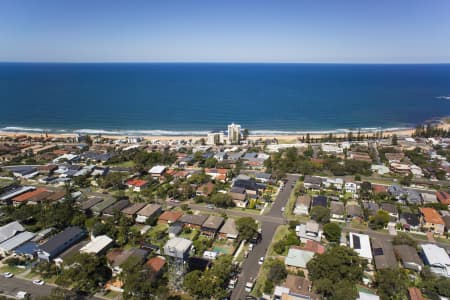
(247, 227)
(336, 272)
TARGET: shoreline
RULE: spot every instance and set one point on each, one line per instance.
(164, 135)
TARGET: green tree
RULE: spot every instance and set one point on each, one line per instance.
(332, 232)
(379, 221)
(320, 214)
(392, 284)
(276, 271)
(84, 273)
(222, 200)
(336, 272)
(247, 227)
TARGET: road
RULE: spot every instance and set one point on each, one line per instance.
(250, 267)
(10, 287)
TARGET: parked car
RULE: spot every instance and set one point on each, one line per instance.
(22, 295)
(8, 275)
(261, 260)
(38, 282)
(249, 285)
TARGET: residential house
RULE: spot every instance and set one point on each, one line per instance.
(351, 187)
(131, 210)
(336, 183)
(239, 196)
(383, 254)
(371, 208)
(116, 208)
(432, 220)
(250, 186)
(205, 189)
(361, 244)
(443, 197)
(295, 288)
(391, 209)
(150, 211)
(309, 231)
(169, 217)
(229, 230)
(157, 171)
(175, 229)
(101, 206)
(156, 265)
(302, 205)
(413, 197)
(217, 174)
(410, 221)
(212, 225)
(337, 210)
(379, 189)
(428, 198)
(117, 258)
(33, 197)
(9, 230)
(136, 184)
(98, 245)
(60, 242)
(7, 246)
(178, 247)
(88, 203)
(396, 191)
(408, 257)
(193, 221)
(313, 246)
(297, 258)
(354, 210)
(437, 259)
(319, 201)
(312, 182)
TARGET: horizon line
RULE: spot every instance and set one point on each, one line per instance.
(225, 62)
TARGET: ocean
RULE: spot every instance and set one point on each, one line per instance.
(190, 98)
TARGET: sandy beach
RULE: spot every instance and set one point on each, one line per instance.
(284, 138)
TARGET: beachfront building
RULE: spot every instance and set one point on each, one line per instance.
(215, 138)
(234, 133)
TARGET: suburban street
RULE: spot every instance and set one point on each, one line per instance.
(250, 267)
(10, 287)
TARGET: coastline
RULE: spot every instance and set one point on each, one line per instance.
(166, 136)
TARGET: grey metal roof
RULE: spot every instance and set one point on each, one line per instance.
(65, 237)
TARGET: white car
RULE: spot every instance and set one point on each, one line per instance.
(283, 209)
(261, 260)
(38, 282)
(8, 275)
(21, 295)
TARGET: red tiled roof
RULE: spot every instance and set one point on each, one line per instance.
(431, 215)
(314, 247)
(136, 182)
(26, 196)
(378, 188)
(443, 197)
(156, 263)
(171, 216)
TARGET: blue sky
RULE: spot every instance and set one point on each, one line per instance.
(358, 31)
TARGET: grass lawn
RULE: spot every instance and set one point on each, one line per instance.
(112, 295)
(247, 210)
(125, 164)
(13, 270)
(280, 233)
(289, 212)
(189, 236)
(357, 225)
